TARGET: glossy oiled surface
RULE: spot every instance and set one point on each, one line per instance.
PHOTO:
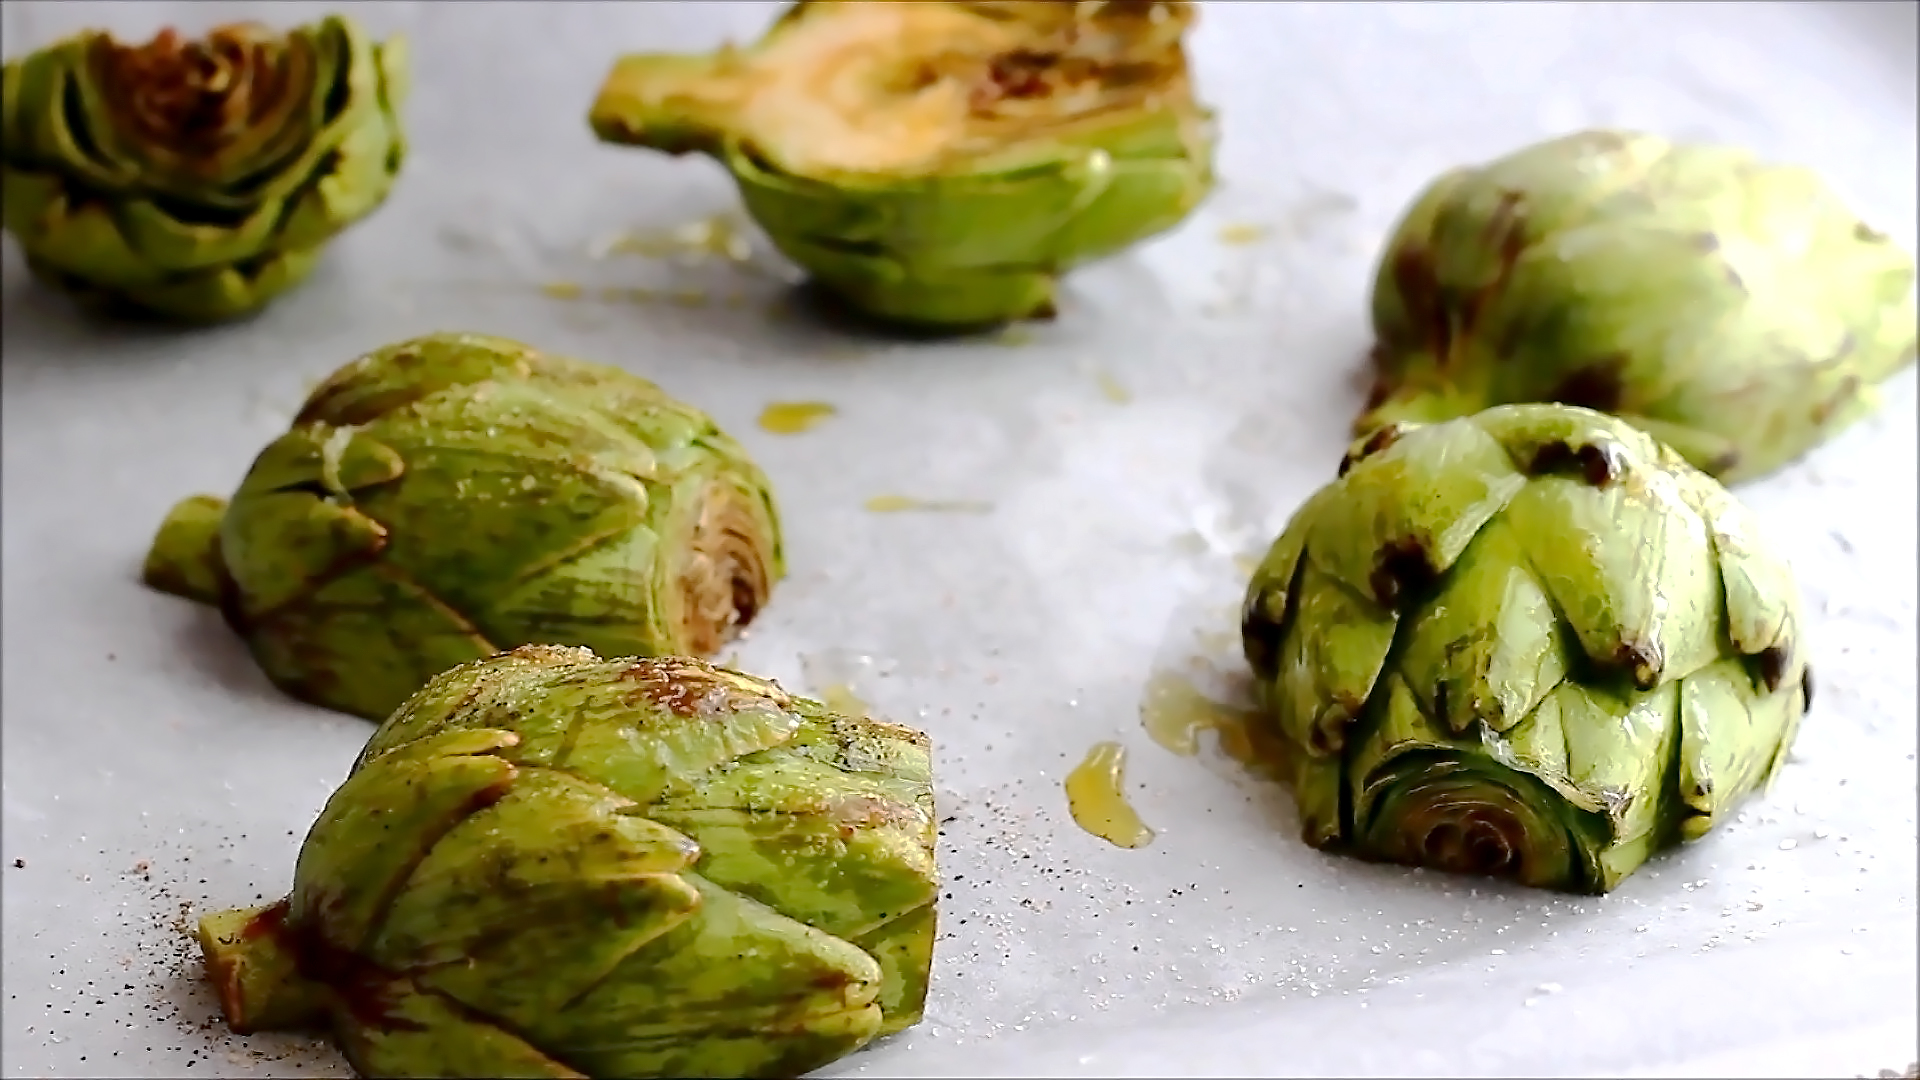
(1105, 477)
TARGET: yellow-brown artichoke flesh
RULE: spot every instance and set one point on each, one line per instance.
(197, 179)
(1736, 310)
(443, 498)
(549, 864)
(1531, 642)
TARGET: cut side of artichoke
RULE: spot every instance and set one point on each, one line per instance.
(197, 178)
(900, 89)
(939, 165)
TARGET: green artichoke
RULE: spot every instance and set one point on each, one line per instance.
(1734, 310)
(1532, 642)
(441, 499)
(939, 165)
(196, 180)
(748, 877)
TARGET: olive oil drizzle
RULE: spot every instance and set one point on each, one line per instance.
(1096, 796)
(1176, 714)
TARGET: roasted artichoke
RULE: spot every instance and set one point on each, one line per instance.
(1532, 642)
(939, 164)
(196, 180)
(748, 879)
(446, 497)
(1737, 311)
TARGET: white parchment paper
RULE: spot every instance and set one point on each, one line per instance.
(1132, 452)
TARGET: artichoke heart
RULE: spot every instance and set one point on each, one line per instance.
(1733, 309)
(1531, 643)
(939, 164)
(440, 499)
(197, 179)
(749, 879)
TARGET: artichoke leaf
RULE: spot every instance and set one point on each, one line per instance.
(1410, 514)
(903, 946)
(528, 904)
(842, 851)
(693, 1002)
(383, 820)
(1489, 644)
(423, 1034)
(1323, 679)
(1731, 740)
(1633, 578)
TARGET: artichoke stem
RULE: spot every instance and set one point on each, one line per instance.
(670, 102)
(185, 557)
(255, 971)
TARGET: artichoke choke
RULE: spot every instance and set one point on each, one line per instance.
(748, 877)
(440, 499)
(196, 180)
(1532, 643)
(1735, 310)
(939, 164)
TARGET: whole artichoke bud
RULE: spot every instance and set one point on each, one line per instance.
(939, 164)
(549, 864)
(441, 499)
(1734, 310)
(196, 179)
(1532, 642)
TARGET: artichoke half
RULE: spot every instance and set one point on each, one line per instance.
(1735, 310)
(1532, 642)
(441, 499)
(196, 180)
(939, 164)
(549, 864)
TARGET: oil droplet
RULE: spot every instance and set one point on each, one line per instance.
(794, 417)
(897, 504)
(1112, 389)
(563, 290)
(1241, 234)
(1013, 337)
(1097, 798)
(631, 296)
(1175, 714)
(841, 699)
(719, 235)
(692, 298)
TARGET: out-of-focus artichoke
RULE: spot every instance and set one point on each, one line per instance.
(940, 164)
(1532, 642)
(549, 864)
(1737, 311)
(441, 499)
(196, 179)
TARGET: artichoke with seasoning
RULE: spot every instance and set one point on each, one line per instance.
(441, 499)
(1532, 643)
(939, 165)
(197, 179)
(1735, 310)
(549, 864)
